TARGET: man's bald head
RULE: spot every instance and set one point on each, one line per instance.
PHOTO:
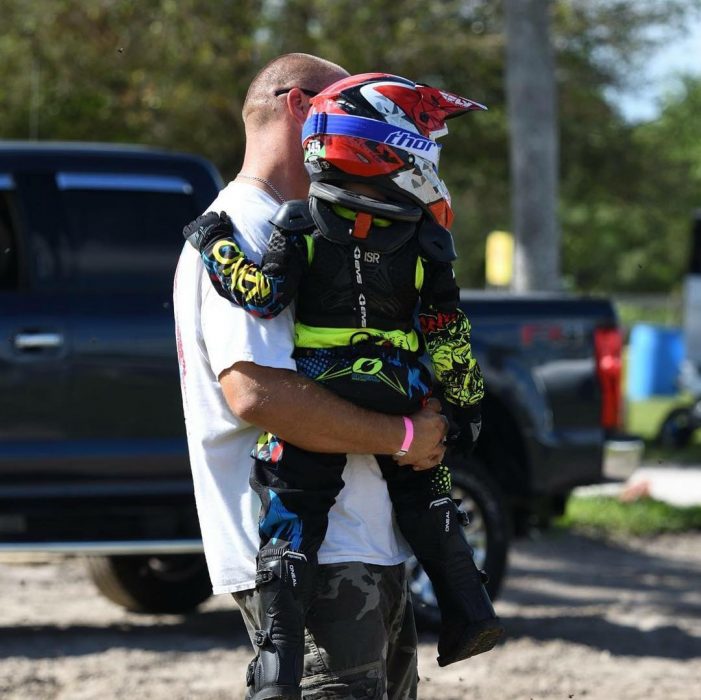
(287, 71)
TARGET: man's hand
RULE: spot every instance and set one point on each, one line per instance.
(208, 229)
(430, 429)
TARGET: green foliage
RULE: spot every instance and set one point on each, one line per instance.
(630, 230)
(610, 516)
(164, 73)
(678, 130)
(174, 74)
(637, 309)
(626, 197)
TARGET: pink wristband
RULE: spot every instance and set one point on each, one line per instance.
(408, 437)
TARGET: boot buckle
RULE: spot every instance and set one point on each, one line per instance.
(264, 576)
(260, 638)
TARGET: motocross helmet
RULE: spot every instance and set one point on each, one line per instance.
(381, 130)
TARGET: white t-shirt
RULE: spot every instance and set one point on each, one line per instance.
(212, 335)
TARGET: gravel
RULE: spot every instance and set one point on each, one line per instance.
(586, 619)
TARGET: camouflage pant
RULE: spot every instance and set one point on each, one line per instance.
(361, 639)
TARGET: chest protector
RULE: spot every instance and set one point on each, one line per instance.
(361, 276)
(353, 286)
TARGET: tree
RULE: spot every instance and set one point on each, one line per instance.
(174, 74)
(618, 190)
(159, 73)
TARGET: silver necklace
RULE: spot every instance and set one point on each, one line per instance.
(269, 184)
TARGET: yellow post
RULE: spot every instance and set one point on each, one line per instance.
(499, 259)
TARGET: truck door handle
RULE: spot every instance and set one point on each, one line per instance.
(38, 341)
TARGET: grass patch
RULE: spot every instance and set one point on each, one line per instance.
(644, 418)
(609, 516)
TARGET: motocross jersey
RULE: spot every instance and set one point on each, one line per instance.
(349, 291)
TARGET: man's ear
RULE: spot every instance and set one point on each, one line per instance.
(298, 105)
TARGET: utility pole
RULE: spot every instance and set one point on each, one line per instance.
(35, 99)
(534, 149)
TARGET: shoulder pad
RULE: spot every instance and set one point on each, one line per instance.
(293, 217)
(436, 242)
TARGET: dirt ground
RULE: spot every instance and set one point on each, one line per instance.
(585, 619)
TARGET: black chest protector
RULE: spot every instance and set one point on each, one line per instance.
(352, 286)
(361, 282)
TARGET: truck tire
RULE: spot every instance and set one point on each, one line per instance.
(488, 533)
(175, 583)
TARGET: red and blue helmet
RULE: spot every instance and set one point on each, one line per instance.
(381, 129)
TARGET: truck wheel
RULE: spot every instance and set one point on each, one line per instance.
(175, 583)
(487, 532)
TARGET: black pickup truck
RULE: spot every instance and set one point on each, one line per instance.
(93, 457)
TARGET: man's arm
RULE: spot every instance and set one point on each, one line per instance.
(311, 417)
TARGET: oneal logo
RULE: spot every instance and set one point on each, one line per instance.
(293, 575)
(367, 365)
(447, 521)
(404, 140)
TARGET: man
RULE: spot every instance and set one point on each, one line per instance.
(237, 372)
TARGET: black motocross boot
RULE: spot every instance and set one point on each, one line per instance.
(469, 625)
(283, 579)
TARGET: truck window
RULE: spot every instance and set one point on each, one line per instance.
(126, 230)
(9, 265)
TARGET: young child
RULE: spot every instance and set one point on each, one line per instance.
(366, 255)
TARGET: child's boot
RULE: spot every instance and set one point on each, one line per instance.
(469, 625)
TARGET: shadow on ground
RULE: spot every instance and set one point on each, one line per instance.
(608, 595)
(189, 633)
(615, 597)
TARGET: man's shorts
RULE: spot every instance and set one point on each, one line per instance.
(361, 639)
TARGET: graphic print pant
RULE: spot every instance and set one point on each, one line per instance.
(297, 488)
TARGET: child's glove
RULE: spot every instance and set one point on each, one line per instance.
(207, 229)
(465, 423)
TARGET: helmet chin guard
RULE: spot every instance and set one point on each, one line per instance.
(398, 223)
(380, 226)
